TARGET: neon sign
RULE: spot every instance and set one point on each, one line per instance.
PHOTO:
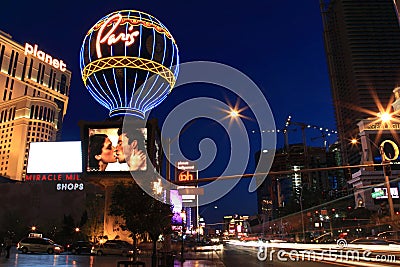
(395, 148)
(186, 171)
(132, 52)
(185, 176)
(128, 38)
(56, 63)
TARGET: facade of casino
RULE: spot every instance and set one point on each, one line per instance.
(34, 89)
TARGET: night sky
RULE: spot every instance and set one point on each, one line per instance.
(278, 44)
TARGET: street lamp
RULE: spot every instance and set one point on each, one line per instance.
(183, 216)
(302, 216)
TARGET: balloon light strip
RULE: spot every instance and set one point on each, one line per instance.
(128, 62)
(135, 21)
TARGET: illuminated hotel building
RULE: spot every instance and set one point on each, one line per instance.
(362, 44)
(34, 89)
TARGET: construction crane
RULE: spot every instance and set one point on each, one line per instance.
(325, 132)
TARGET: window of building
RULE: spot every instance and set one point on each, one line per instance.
(11, 62)
(24, 70)
(30, 69)
(15, 64)
(39, 73)
(1, 55)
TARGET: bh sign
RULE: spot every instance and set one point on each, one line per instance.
(185, 171)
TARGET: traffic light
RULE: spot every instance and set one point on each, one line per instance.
(384, 210)
(388, 170)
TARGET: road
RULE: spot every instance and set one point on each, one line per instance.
(45, 260)
(231, 256)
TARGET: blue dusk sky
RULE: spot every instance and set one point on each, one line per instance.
(278, 44)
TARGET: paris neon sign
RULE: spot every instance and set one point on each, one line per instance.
(110, 38)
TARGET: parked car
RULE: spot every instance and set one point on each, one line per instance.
(119, 242)
(112, 248)
(38, 244)
(80, 247)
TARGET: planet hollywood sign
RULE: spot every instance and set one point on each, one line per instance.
(64, 181)
(34, 51)
(186, 171)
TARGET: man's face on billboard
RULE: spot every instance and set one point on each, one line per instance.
(123, 149)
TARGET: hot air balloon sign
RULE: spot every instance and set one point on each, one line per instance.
(129, 62)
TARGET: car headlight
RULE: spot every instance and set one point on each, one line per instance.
(57, 248)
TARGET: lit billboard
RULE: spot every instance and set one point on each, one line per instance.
(114, 149)
(393, 191)
(55, 157)
(176, 202)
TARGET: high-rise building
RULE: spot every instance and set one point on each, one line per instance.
(34, 89)
(362, 43)
(278, 190)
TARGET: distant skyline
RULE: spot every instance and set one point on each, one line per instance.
(278, 44)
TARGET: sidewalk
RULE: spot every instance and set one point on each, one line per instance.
(198, 259)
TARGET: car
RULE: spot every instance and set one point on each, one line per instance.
(373, 241)
(326, 238)
(112, 248)
(390, 235)
(39, 244)
(119, 242)
(80, 247)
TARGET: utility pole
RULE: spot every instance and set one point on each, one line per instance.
(386, 168)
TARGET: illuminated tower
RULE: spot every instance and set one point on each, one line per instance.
(34, 89)
(362, 43)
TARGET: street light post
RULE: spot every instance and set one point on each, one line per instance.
(387, 181)
(302, 216)
(183, 216)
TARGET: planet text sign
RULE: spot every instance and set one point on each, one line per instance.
(34, 51)
(185, 171)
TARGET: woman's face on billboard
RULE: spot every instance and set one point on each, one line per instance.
(107, 152)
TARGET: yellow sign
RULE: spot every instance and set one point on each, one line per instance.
(395, 148)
